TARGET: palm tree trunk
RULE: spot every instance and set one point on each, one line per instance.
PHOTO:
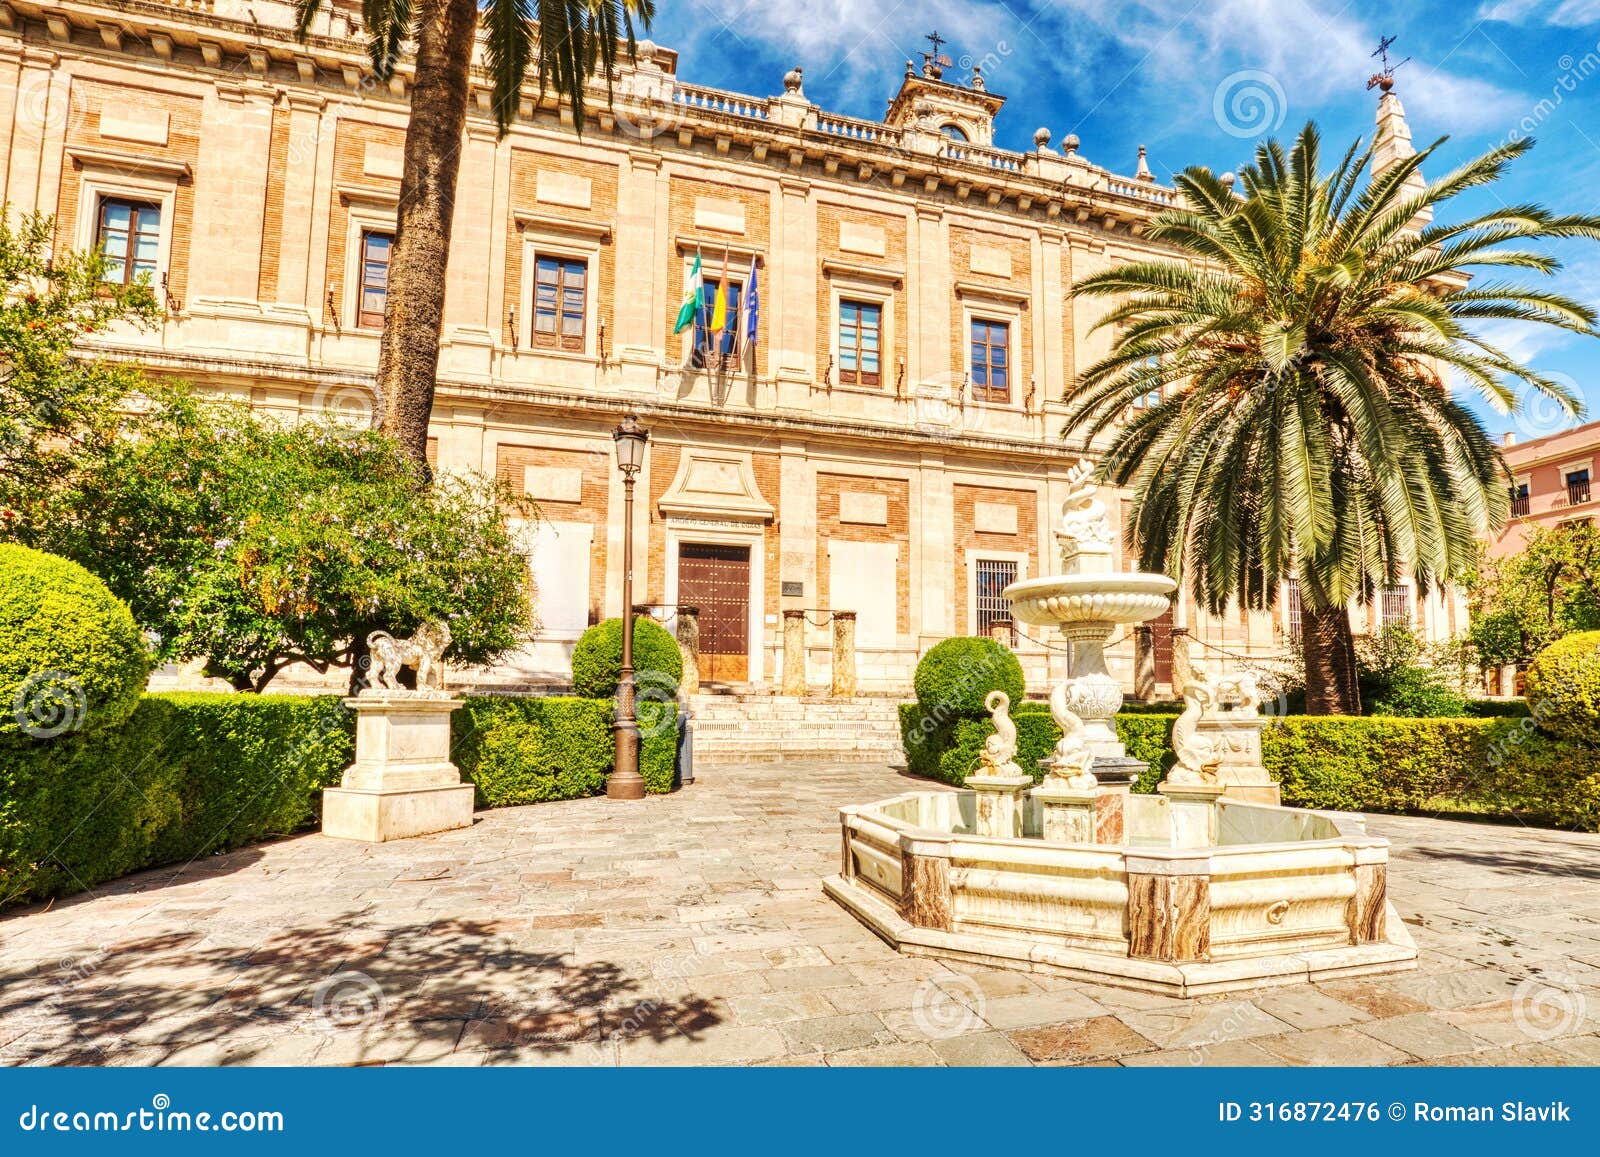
(414, 312)
(1330, 651)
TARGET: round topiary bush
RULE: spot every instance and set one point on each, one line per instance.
(71, 656)
(597, 660)
(1563, 687)
(955, 675)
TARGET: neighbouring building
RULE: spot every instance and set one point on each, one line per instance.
(889, 443)
(1552, 483)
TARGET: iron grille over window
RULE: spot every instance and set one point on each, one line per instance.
(1396, 605)
(994, 575)
(1292, 610)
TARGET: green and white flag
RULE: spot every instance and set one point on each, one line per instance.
(691, 297)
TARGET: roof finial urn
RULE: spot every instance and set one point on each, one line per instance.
(1041, 138)
(1143, 173)
(1070, 143)
(791, 82)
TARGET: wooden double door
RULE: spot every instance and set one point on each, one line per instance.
(716, 578)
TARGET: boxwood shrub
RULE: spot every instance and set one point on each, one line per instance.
(71, 656)
(955, 676)
(520, 750)
(1563, 687)
(597, 659)
(1493, 766)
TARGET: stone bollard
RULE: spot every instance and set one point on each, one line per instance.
(794, 652)
(1182, 668)
(1144, 663)
(689, 648)
(844, 654)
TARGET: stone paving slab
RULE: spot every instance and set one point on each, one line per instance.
(692, 930)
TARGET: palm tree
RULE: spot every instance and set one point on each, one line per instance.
(1305, 429)
(566, 42)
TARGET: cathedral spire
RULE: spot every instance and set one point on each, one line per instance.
(1393, 141)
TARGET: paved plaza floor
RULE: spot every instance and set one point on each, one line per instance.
(692, 929)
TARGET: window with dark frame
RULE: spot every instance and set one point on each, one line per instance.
(375, 251)
(1577, 487)
(129, 235)
(1519, 500)
(993, 575)
(991, 361)
(732, 339)
(860, 341)
(560, 289)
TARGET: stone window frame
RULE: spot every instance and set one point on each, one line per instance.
(538, 241)
(1573, 467)
(992, 310)
(972, 554)
(843, 288)
(364, 214)
(125, 180)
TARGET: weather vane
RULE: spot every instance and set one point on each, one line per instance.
(1384, 77)
(933, 63)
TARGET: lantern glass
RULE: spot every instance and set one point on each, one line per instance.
(630, 438)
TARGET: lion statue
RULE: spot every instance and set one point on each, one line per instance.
(423, 650)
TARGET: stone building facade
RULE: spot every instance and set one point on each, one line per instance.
(890, 443)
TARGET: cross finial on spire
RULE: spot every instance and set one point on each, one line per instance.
(935, 39)
(1384, 77)
(934, 63)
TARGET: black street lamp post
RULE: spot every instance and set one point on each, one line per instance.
(625, 781)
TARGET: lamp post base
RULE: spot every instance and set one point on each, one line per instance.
(620, 786)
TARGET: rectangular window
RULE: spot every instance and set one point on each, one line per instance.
(993, 576)
(860, 333)
(1519, 500)
(726, 344)
(1577, 487)
(1147, 401)
(991, 361)
(560, 287)
(1396, 605)
(1291, 616)
(375, 249)
(129, 234)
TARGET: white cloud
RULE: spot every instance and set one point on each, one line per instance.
(1566, 14)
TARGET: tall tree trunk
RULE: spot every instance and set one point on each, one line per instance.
(414, 312)
(1330, 651)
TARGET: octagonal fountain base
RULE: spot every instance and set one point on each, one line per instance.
(1280, 895)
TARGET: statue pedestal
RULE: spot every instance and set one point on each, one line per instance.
(1242, 774)
(402, 783)
(1194, 812)
(1067, 814)
(999, 803)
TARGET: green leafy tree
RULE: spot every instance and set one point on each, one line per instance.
(1524, 602)
(56, 403)
(1305, 429)
(256, 545)
(564, 43)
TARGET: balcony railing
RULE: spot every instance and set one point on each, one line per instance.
(1577, 492)
(1519, 506)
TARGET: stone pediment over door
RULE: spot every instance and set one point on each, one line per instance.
(715, 484)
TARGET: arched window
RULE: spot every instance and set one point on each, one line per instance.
(954, 132)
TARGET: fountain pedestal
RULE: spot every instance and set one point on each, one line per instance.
(999, 803)
(1066, 814)
(1194, 812)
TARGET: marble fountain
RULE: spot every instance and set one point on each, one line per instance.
(1206, 886)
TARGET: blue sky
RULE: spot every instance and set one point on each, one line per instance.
(1199, 81)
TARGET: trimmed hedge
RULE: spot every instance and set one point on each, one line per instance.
(71, 656)
(190, 775)
(955, 675)
(185, 775)
(533, 750)
(1563, 687)
(1498, 767)
(597, 660)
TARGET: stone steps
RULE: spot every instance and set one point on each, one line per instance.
(755, 728)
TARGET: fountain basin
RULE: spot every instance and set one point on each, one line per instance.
(1284, 895)
(1112, 599)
